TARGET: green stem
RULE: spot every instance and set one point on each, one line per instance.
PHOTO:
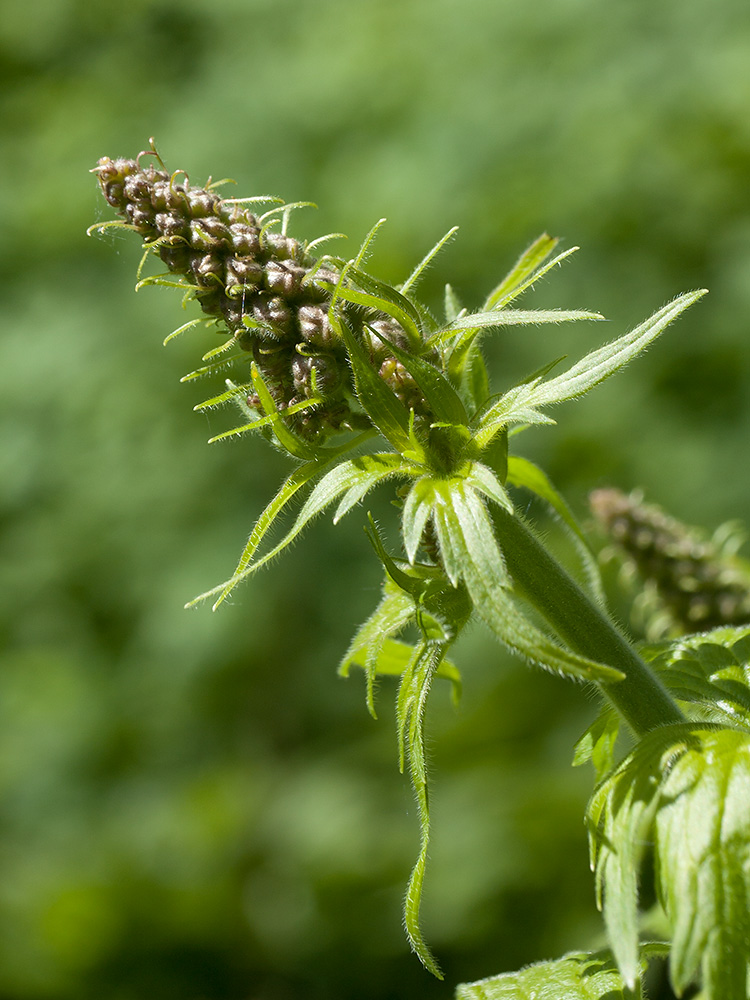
(640, 697)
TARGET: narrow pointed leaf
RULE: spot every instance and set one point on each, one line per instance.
(417, 508)
(410, 708)
(484, 481)
(419, 270)
(213, 368)
(395, 611)
(186, 326)
(383, 407)
(286, 437)
(301, 477)
(225, 397)
(371, 469)
(527, 264)
(438, 392)
(513, 293)
(514, 317)
(453, 307)
(605, 361)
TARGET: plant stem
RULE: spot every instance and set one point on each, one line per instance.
(640, 698)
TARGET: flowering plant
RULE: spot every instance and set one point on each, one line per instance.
(361, 385)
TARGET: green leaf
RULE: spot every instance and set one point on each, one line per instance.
(383, 407)
(417, 509)
(598, 742)
(187, 326)
(620, 819)
(286, 438)
(394, 612)
(441, 397)
(512, 317)
(370, 470)
(419, 270)
(410, 709)
(225, 397)
(523, 270)
(686, 788)
(215, 366)
(481, 478)
(703, 862)
(512, 408)
(393, 658)
(600, 364)
(299, 448)
(301, 476)
(711, 670)
(453, 307)
(577, 976)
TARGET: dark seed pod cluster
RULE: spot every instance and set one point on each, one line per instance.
(264, 287)
(699, 585)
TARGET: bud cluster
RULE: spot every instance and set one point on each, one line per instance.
(265, 288)
(700, 586)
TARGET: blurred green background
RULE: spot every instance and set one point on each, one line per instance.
(194, 805)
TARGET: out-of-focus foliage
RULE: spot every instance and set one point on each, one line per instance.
(195, 806)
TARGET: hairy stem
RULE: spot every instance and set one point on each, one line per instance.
(640, 698)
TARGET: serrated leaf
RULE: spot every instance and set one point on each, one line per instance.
(710, 669)
(703, 862)
(620, 818)
(686, 788)
(577, 976)
(598, 742)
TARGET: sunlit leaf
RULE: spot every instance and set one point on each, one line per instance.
(710, 670)
(600, 364)
(577, 976)
(522, 271)
(422, 266)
